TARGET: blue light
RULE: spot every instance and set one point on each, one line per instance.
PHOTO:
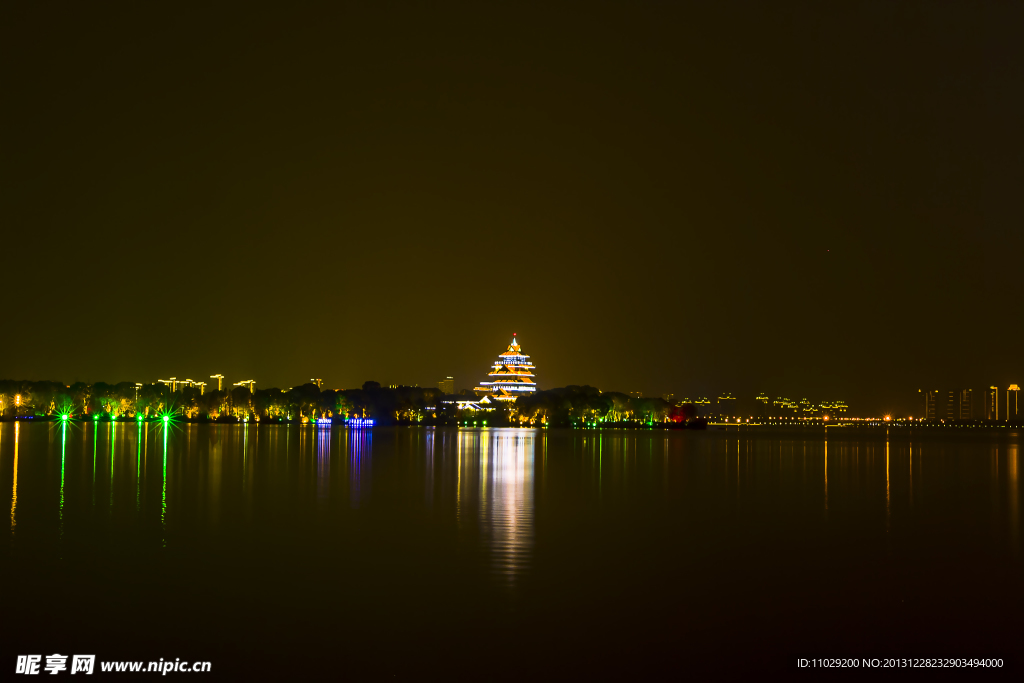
(359, 422)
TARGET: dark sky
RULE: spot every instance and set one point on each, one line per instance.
(804, 200)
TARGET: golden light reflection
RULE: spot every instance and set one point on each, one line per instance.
(826, 471)
(14, 492)
(888, 509)
(501, 474)
(1011, 472)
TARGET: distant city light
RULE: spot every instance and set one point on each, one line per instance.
(359, 422)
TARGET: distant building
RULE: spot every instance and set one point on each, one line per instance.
(966, 401)
(930, 400)
(992, 403)
(950, 409)
(762, 402)
(726, 404)
(468, 402)
(808, 409)
(250, 383)
(953, 404)
(834, 408)
(1012, 409)
(703, 406)
(447, 385)
(783, 406)
(668, 397)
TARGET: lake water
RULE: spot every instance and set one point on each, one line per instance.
(504, 553)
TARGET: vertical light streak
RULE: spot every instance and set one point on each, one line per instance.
(95, 441)
(1011, 470)
(113, 440)
(458, 480)
(14, 492)
(911, 474)
(138, 469)
(63, 453)
(323, 464)
(888, 511)
(506, 506)
(163, 497)
(826, 470)
(245, 450)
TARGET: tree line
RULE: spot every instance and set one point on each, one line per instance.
(565, 406)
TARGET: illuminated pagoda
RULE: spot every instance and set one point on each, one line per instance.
(511, 377)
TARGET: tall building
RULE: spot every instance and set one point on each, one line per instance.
(511, 376)
(966, 404)
(220, 381)
(992, 403)
(762, 401)
(1012, 409)
(447, 385)
(782, 407)
(930, 400)
(726, 404)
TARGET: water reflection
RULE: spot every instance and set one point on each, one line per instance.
(1014, 506)
(360, 442)
(63, 457)
(496, 477)
(14, 491)
(323, 463)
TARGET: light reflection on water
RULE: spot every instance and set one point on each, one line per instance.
(496, 475)
(441, 538)
(209, 479)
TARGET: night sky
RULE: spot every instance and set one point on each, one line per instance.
(803, 200)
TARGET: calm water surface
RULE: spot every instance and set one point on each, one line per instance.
(494, 554)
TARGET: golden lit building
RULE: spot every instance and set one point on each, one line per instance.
(992, 403)
(511, 376)
(447, 385)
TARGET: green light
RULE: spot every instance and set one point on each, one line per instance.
(167, 418)
(64, 417)
(95, 417)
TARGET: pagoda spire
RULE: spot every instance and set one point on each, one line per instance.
(511, 376)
